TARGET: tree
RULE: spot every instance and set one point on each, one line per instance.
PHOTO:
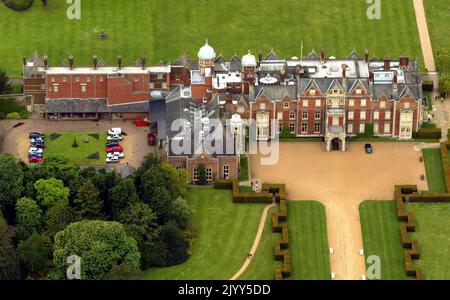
(123, 272)
(178, 180)
(140, 223)
(88, 204)
(11, 188)
(35, 253)
(176, 244)
(444, 84)
(443, 59)
(9, 259)
(202, 180)
(121, 196)
(153, 191)
(29, 215)
(104, 181)
(51, 191)
(180, 213)
(5, 87)
(100, 246)
(58, 217)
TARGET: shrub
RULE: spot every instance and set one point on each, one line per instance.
(13, 116)
(223, 184)
(18, 5)
(202, 180)
(286, 134)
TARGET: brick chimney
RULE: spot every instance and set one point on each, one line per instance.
(366, 56)
(95, 62)
(45, 62)
(371, 77)
(71, 59)
(260, 57)
(143, 62)
(404, 62)
(387, 63)
(395, 81)
(344, 75)
(322, 56)
(119, 62)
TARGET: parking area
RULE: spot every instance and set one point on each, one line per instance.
(341, 181)
(16, 140)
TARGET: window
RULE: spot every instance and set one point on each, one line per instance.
(64, 79)
(363, 102)
(88, 79)
(362, 128)
(318, 103)
(83, 88)
(305, 115)
(280, 115)
(226, 172)
(77, 79)
(383, 104)
(286, 104)
(152, 85)
(292, 127)
(358, 91)
(350, 128)
(376, 128)
(304, 127)
(178, 167)
(262, 106)
(312, 92)
(317, 115)
(196, 174)
(55, 88)
(160, 76)
(305, 103)
(388, 115)
(101, 78)
(240, 109)
(376, 115)
(407, 105)
(292, 115)
(387, 128)
(363, 115)
(53, 79)
(351, 115)
(317, 127)
(351, 102)
(335, 103)
(209, 176)
(280, 126)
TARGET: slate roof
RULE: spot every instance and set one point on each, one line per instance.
(92, 106)
(276, 92)
(185, 61)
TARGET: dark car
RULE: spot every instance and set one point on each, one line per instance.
(112, 144)
(39, 145)
(369, 149)
(36, 135)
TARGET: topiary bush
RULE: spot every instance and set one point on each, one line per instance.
(18, 5)
(75, 143)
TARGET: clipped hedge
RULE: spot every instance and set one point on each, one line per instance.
(429, 133)
(428, 85)
(223, 184)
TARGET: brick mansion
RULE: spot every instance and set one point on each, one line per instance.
(313, 96)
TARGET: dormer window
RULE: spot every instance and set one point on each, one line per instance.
(358, 91)
(312, 92)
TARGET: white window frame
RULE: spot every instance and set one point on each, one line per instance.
(363, 115)
(351, 115)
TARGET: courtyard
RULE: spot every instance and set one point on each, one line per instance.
(16, 141)
(342, 181)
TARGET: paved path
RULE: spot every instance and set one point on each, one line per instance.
(424, 35)
(255, 246)
(341, 181)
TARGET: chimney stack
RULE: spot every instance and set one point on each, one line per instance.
(371, 77)
(404, 62)
(260, 57)
(143, 62)
(24, 61)
(387, 63)
(119, 62)
(95, 62)
(45, 62)
(344, 75)
(71, 59)
(395, 81)
(322, 56)
(366, 56)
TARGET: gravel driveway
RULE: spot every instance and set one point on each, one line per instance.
(341, 181)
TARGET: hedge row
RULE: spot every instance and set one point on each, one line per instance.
(265, 197)
(428, 133)
(445, 164)
(411, 248)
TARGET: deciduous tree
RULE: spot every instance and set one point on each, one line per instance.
(28, 215)
(9, 259)
(35, 253)
(11, 185)
(121, 196)
(88, 204)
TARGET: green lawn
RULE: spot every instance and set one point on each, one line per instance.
(263, 264)
(308, 241)
(381, 236)
(243, 167)
(438, 16)
(164, 29)
(225, 234)
(434, 170)
(433, 235)
(61, 143)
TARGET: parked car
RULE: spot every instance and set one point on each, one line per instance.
(37, 154)
(35, 160)
(36, 134)
(38, 139)
(115, 137)
(112, 160)
(38, 145)
(115, 131)
(368, 148)
(118, 154)
(114, 149)
(112, 144)
(35, 150)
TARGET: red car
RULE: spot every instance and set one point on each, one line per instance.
(35, 160)
(114, 149)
